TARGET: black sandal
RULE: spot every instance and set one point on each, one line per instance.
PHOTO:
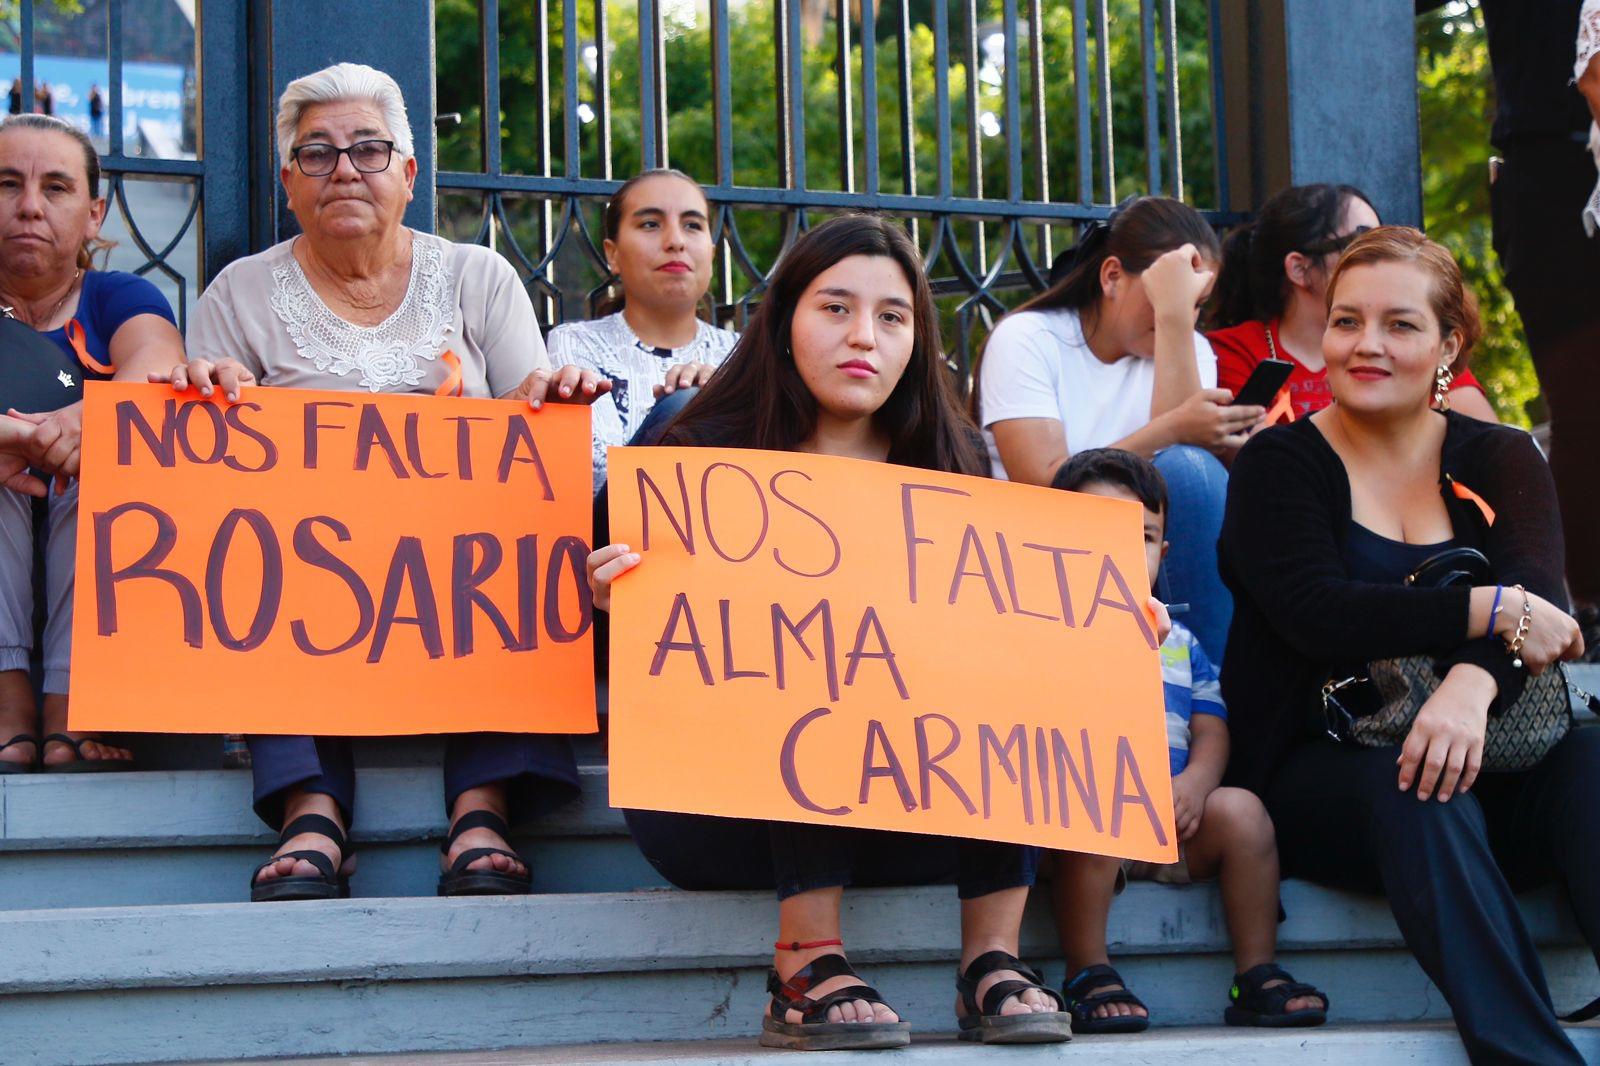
(1083, 1003)
(989, 1025)
(814, 1032)
(460, 881)
(1251, 1003)
(9, 767)
(80, 765)
(331, 882)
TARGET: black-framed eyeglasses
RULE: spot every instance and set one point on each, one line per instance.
(1335, 245)
(318, 160)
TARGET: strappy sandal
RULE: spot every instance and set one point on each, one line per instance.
(814, 1032)
(460, 881)
(9, 767)
(1251, 1003)
(330, 882)
(992, 1027)
(1083, 1002)
(80, 765)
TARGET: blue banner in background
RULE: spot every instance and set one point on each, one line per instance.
(152, 98)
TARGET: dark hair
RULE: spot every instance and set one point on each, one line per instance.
(1453, 302)
(1113, 466)
(1253, 286)
(757, 398)
(611, 222)
(1139, 232)
(91, 167)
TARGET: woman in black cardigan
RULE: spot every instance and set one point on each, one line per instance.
(1325, 517)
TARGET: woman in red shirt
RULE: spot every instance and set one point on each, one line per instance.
(1272, 297)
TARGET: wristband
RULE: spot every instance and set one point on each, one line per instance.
(1494, 611)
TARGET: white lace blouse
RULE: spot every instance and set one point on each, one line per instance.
(461, 299)
(1588, 46)
(609, 347)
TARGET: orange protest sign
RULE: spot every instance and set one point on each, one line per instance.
(828, 640)
(331, 563)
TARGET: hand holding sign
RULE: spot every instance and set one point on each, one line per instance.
(818, 639)
(229, 375)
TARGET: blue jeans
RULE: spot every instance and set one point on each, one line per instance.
(662, 412)
(1197, 489)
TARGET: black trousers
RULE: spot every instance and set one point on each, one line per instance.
(539, 770)
(1449, 871)
(699, 852)
(1553, 271)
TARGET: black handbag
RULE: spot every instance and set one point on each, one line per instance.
(36, 376)
(1375, 708)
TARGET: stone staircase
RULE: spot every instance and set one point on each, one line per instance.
(125, 938)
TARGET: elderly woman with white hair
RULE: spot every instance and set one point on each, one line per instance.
(359, 301)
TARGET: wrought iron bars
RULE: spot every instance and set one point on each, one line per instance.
(1003, 241)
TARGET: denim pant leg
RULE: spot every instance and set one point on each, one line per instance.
(1197, 489)
(60, 563)
(314, 764)
(662, 412)
(538, 769)
(16, 581)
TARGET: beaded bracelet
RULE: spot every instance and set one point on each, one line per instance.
(1514, 645)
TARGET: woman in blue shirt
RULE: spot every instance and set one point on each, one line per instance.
(111, 325)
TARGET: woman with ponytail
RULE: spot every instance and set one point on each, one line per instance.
(649, 343)
(1109, 357)
(1272, 295)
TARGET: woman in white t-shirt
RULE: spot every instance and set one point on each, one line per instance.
(650, 343)
(1109, 357)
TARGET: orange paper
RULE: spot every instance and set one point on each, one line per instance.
(826, 640)
(331, 563)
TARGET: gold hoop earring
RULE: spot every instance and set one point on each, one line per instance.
(1441, 387)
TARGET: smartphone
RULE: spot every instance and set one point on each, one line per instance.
(1264, 382)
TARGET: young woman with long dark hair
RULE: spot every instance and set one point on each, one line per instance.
(843, 358)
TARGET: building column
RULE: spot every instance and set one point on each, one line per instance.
(291, 38)
(1320, 92)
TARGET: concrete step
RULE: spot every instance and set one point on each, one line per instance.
(1428, 1044)
(189, 836)
(222, 981)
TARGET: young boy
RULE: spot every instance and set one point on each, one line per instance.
(1223, 833)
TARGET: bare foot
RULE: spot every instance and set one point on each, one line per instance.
(1113, 1010)
(1299, 1003)
(54, 720)
(19, 722)
(484, 838)
(59, 752)
(1031, 1001)
(18, 717)
(850, 1010)
(290, 867)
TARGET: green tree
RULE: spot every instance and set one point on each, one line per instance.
(1456, 97)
